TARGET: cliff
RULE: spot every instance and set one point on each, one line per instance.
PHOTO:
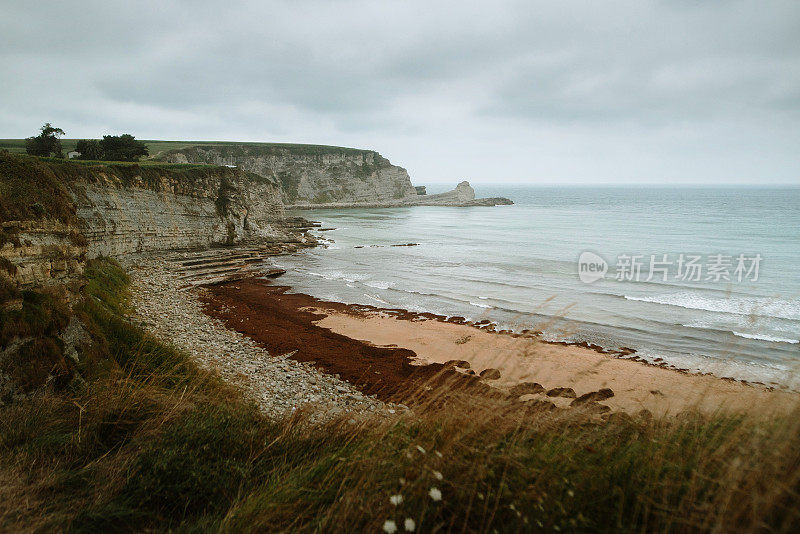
(310, 174)
(316, 176)
(462, 196)
(56, 214)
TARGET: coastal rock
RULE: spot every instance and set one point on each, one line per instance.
(562, 392)
(601, 394)
(526, 388)
(461, 364)
(490, 374)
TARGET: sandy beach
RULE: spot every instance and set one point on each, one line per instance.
(388, 352)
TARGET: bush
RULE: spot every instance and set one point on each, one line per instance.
(122, 148)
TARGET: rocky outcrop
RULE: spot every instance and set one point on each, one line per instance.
(218, 208)
(310, 174)
(314, 176)
(116, 210)
(462, 196)
(43, 252)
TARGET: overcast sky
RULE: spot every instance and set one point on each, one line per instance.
(498, 91)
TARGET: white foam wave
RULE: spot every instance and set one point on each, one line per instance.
(335, 275)
(759, 306)
(379, 284)
(762, 337)
(479, 305)
(373, 297)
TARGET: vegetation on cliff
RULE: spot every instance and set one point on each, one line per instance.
(148, 441)
(157, 148)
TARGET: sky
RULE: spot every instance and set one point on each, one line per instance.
(560, 92)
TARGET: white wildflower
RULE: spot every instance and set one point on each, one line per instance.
(402, 482)
(389, 526)
(409, 525)
(396, 499)
(435, 494)
(420, 449)
(437, 475)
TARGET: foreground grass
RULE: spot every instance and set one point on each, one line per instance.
(154, 443)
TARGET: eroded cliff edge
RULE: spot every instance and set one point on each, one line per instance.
(56, 214)
(317, 176)
(310, 174)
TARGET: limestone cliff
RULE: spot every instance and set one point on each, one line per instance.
(315, 176)
(55, 215)
(310, 174)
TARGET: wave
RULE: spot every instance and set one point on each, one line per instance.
(479, 305)
(762, 337)
(379, 284)
(373, 297)
(758, 306)
(335, 275)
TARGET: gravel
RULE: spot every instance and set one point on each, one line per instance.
(278, 384)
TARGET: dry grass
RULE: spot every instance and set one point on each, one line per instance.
(153, 443)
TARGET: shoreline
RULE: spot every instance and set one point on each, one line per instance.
(386, 351)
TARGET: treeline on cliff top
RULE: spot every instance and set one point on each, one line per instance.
(156, 148)
(132, 435)
(123, 147)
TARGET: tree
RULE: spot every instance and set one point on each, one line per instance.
(46, 143)
(89, 149)
(122, 148)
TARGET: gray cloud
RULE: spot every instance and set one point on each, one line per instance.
(574, 91)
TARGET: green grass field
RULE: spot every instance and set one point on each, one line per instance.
(157, 147)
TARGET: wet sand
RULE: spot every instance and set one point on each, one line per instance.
(392, 352)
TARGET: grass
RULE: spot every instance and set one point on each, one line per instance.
(154, 443)
(156, 147)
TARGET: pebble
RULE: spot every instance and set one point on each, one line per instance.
(278, 385)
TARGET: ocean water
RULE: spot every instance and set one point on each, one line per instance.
(518, 266)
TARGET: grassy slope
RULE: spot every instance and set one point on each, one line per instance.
(156, 147)
(152, 442)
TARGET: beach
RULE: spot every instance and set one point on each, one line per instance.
(391, 352)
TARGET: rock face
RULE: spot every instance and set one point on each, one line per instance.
(44, 252)
(462, 196)
(221, 208)
(313, 176)
(118, 210)
(310, 174)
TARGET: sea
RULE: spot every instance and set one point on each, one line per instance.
(702, 278)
